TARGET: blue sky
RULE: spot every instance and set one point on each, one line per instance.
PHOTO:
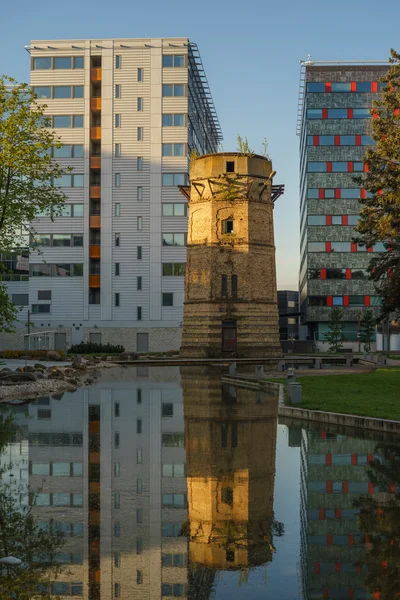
(251, 55)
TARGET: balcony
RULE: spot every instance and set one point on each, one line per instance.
(95, 221)
(94, 487)
(95, 104)
(95, 133)
(95, 162)
(94, 281)
(94, 251)
(95, 74)
(95, 191)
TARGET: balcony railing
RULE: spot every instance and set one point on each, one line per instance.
(94, 250)
(95, 74)
(95, 132)
(95, 191)
(94, 281)
(95, 221)
(95, 104)
(95, 163)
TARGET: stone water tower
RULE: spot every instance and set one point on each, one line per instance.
(230, 304)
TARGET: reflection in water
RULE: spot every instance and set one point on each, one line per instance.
(156, 484)
(230, 441)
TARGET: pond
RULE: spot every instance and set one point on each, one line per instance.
(165, 482)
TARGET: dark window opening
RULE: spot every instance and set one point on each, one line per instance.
(230, 166)
(227, 496)
(227, 226)
(230, 556)
(234, 286)
(224, 285)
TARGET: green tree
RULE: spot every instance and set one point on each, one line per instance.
(380, 215)
(28, 174)
(368, 324)
(335, 334)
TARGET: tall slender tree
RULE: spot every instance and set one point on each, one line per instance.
(28, 175)
(380, 215)
(334, 335)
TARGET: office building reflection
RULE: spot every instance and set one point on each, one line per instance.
(230, 441)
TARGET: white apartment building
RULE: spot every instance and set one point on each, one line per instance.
(129, 112)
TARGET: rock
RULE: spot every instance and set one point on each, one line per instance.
(6, 370)
(39, 375)
(40, 366)
(53, 355)
(133, 356)
(19, 370)
(72, 381)
(79, 366)
(56, 374)
(109, 358)
(123, 356)
(17, 377)
(29, 369)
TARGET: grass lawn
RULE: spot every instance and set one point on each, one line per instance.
(375, 394)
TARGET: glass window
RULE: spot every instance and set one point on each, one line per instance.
(118, 90)
(379, 247)
(61, 239)
(167, 410)
(340, 246)
(316, 86)
(317, 300)
(375, 301)
(40, 63)
(316, 246)
(310, 140)
(364, 86)
(118, 62)
(78, 91)
(139, 134)
(117, 179)
(326, 140)
(359, 274)
(179, 470)
(179, 120)
(117, 120)
(337, 113)
(139, 163)
(350, 193)
(167, 90)
(43, 91)
(77, 240)
(117, 209)
(167, 299)
(329, 193)
(316, 167)
(77, 180)
(167, 149)
(167, 60)
(312, 193)
(139, 252)
(358, 166)
(339, 167)
(314, 113)
(63, 181)
(116, 299)
(40, 270)
(179, 210)
(61, 469)
(167, 120)
(63, 152)
(117, 529)
(179, 149)
(341, 459)
(77, 469)
(356, 300)
(366, 140)
(79, 62)
(61, 499)
(78, 210)
(140, 104)
(179, 89)
(78, 151)
(337, 301)
(78, 120)
(21, 299)
(40, 468)
(361, 113)
(167, 179)
(336, 273)
(347, 140)
(336, 219)
(62, 91)
(167, 269)
(139, 223)
(139, 313)
(78, 270)
(341, 87)
(140, 74)
(62, 121)
(62, 62)
(62, 270)
(179, 61)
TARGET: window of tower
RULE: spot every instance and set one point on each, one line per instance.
(230, 166)
(227, 226)
(224, 285)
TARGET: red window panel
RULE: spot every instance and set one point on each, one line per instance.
(328, 459)
(329, 300)
(363, 194)
(317, 568)
(392, 488)
(321, 193)
(338, 513)
(366, 168)
(329, 539)
(353, 86)
(370, 458)
(329, 167)
(345, 300)
(397, 111)
(375, 113)
(370, 487)
(367, 301)
(328, 220)
(325, 594)
(345, 220)
(354, 460)
(329, 487)
(374, 86)
(324, 113)
(351, 593)
(322, 273)
(348, 273)
(316, 140)
(328, 86)
(345, 487)
(322, 514)
(349, 113)
(353, 247)
(369, 249)
(328, 247)
(358, 140)
(350, 167)
(351, 540)
(337, 567)
(380, 192)
(337, 140)
(323, 435)
(337, 192)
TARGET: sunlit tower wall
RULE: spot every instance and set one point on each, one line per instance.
(230, 305)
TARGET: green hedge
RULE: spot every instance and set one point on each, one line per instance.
(92, 348)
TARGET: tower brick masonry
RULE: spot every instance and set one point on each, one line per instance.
(230, 303)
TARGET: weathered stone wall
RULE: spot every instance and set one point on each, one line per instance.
(243, 196)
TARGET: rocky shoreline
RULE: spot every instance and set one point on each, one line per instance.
(30, 382)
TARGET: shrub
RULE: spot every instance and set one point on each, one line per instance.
(92, 348)
(27, 353)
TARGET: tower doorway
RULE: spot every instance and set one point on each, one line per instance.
(229, 336)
